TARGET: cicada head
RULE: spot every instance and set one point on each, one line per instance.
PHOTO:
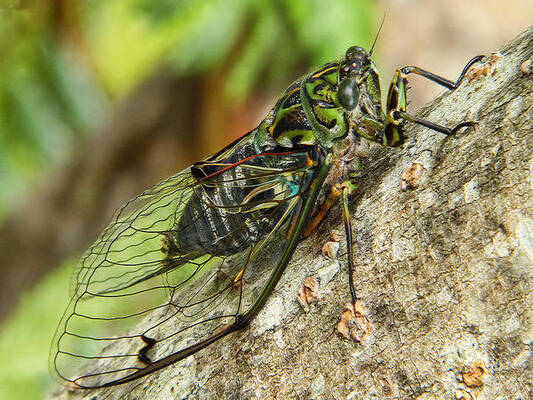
(358, 80)
(359, 93)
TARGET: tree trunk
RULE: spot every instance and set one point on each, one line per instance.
(443, 269)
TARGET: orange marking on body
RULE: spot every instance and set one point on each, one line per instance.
(238, 277)
(320, 73)
(309, 162)
(334, 194)
(292, 91)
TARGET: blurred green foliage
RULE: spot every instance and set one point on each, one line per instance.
(41, 109)
(196, 35)
(64, 63)
(26, 337)
(57, 60)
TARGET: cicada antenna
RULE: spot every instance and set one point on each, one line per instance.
(377, 34)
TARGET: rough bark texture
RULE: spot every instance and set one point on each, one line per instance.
(444, 271)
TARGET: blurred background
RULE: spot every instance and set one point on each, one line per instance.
(102, 99)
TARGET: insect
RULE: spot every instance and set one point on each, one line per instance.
(196, 256)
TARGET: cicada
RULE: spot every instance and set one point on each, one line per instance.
(195, 258)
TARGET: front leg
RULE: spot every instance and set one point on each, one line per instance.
(411, 69)
(396, 105)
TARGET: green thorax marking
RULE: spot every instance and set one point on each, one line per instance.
(308, 113)
(321, 105)
(290, 125)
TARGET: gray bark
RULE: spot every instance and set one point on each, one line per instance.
(443, 269)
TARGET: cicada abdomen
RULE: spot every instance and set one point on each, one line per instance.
(239, 198)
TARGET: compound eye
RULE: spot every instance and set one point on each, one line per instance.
(355, 51)
(348, 93)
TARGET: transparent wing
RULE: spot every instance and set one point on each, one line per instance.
(177, 264)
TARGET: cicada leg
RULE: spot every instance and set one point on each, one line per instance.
(410, 69)
(396, 105)
(344, 190)
(333, 196)
(347, 188)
